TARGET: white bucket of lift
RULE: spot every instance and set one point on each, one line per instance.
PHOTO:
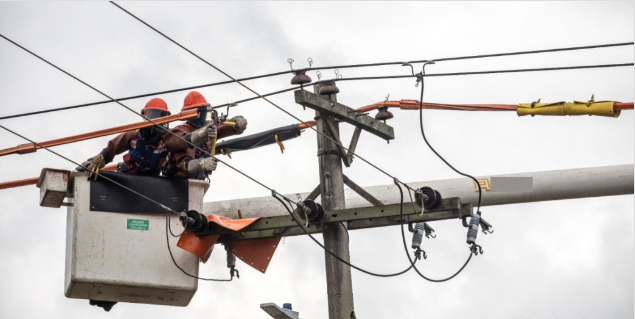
(124, 256)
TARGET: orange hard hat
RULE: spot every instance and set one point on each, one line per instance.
(193, 100)
(156, 104)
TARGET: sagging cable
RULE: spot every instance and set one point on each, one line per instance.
(405, 246)
(275, 195)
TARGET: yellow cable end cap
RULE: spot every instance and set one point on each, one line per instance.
(603, 108)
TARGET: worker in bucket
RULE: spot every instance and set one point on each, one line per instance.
(196, 162)
(146, 150)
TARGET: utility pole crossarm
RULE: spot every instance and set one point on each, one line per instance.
(345, 114)
(356, 218)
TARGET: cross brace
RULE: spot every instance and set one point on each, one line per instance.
(357, 218)
(344, 113)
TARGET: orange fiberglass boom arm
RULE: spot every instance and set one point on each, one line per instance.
(33, 181)
(31, 147)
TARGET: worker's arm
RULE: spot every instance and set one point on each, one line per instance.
(115, 146)
(175, 139)
(118, 145)
(229, 130)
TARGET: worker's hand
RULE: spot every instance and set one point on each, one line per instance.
(201, 165)
(241, 124)
(90, 163)
(206, 132)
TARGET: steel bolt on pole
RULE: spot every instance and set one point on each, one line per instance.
(339, 284)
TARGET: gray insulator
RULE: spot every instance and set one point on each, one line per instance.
(417, 237)
(472, 229)
(231, 258)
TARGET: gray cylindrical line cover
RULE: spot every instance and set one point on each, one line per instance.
(547, 185)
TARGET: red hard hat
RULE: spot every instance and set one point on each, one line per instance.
(156, 104)
(193, 100)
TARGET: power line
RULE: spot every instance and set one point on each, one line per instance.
(405, 246)
(138, 114)
(320, 68)
(561, 68)
(296, 219)
(478, 56)
(134, 96)
(166, 208)
(254, 92)
(301, 121)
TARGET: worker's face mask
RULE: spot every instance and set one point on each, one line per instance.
(153, 114)
(202, 119)
(148, 133)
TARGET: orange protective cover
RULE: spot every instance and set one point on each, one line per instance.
(256, 253)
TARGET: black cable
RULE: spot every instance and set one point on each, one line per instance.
(433, 150)
(141, 95)
(138, 114)
(595, 66)
(405, 246)
(477, 56)
(275, 195)
(264, 95)
(179, 267)
(259, 96)
(254, 92)
(270, 102)
(286, 72)
(167, 209)
(299, 87)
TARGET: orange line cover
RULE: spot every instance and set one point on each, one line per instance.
(256, 253)
(414, 105)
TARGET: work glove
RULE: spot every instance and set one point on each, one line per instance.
(90, 163)
(241, 124)
(201, 165)
(201, 135)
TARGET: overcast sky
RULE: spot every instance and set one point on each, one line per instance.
(560, 259)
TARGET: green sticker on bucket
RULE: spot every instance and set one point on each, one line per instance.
(138, 224)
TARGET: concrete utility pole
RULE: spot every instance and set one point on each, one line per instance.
(339, 284)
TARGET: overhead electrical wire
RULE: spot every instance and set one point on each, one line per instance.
(405, 246)
(561, 68)
(159, 204)
(293, 116)
(249, 89)
(295, 218)
(167, 209)
(159, 126)
(274, 194)
(317, 82)
(134, 112)
(233, 80)
(467, 57)
(335, 67)
(423, 72)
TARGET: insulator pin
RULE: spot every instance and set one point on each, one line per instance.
(300, 78)
(430, 198)
(310, 210)
(383, 114)
(329, 88)
(195, 221)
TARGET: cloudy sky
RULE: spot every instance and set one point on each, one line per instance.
(562, 259)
